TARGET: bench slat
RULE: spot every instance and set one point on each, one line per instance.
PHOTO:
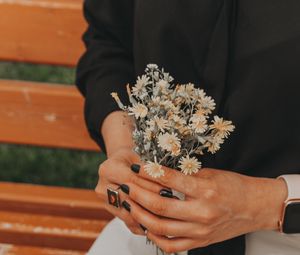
(38, 31)
(53, 217)
(56, 201)
(43, 115)
(7, 249)
(48, 231)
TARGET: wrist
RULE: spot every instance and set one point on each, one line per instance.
(117, 132)
(267, 203)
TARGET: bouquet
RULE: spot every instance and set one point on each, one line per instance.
(173, 123)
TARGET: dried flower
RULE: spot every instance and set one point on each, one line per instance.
(222, 127)
(189, 165)
(199, 123)
(154, 169)
(158, 122)
(169, 142)
(214, 144)
(138, 110)
(139, 90)
(173, 122)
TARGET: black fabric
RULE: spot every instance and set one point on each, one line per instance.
(244, 53)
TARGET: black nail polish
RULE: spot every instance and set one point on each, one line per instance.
(166, 193)
(126, 206)
(144, 229)
(125, 188)
(135, 168)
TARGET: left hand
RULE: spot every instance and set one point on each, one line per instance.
(219, 205)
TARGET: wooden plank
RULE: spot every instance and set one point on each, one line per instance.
(43, 115)
(41, 31)
(52, 217)
(8, 249)
(49, 231)
(57, 201)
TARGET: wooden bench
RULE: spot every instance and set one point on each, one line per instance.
(39, 220)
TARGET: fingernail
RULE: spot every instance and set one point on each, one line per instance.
(145, 229)
(126, 206)
(166, 193)
(125, 188)
(135, 168)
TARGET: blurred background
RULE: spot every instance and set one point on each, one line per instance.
(29, 164)
(43, 136)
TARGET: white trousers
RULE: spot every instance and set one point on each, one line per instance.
(116, 239)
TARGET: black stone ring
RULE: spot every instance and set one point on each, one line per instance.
(113, 197)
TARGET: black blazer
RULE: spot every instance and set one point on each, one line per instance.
(245, 54)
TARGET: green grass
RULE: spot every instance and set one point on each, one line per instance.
(42, 73)
(41, 165)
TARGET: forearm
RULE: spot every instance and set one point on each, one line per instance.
(117, 131)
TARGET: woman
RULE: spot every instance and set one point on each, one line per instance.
(246, 55)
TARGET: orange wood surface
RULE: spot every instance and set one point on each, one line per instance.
(43, 115)
(40, 220)
(52, 217)
(57, 201)
(7, 249)
(41, 31)
(48, 231)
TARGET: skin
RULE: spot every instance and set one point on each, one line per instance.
(116, 131)
(221, 204)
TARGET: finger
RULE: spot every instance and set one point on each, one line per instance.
(118, 173)
(123, 215)
(120, 212)
(153, 202)
(173, 245)
(136, 230)
(157, 225)
(186, 184)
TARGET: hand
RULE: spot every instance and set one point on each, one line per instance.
(219, 205)
(115, 171)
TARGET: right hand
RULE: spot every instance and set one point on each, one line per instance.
(115, 171)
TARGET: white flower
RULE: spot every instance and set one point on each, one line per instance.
(163, 85)
(199, 93)
(214, 144)
(178, 121)
(158, 122)
(198, 124)
(185, 93)
(154, 169)
(167, 104)
(189, 165)
(154, 101)
(208, 104)
(138, 110)
(152, 66)
(223, 127)
(169, 142)
(190, 89)
(200, 112)
(167, 76)
(182, 93)
(139, 89)
(148, 135)
(185, 130)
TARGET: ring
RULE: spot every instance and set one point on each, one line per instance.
(113, 197)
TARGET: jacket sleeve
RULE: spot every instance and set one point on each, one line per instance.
(107, 64)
